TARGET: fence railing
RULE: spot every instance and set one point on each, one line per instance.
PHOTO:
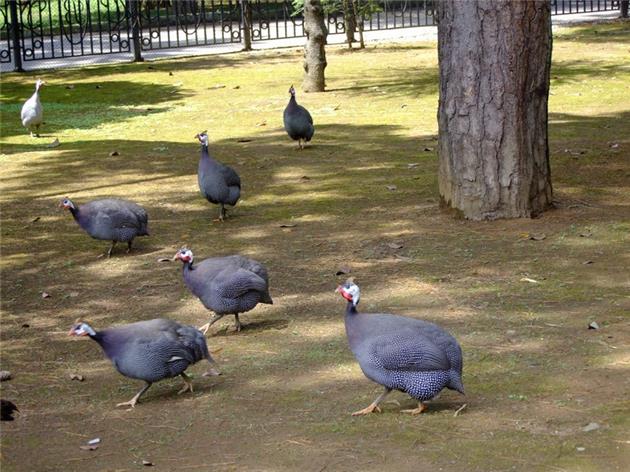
(35, 30)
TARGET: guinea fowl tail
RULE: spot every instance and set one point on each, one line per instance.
(266, 299)
(455, 382)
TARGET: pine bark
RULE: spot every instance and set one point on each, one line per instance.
(494, 59)
(314, 50)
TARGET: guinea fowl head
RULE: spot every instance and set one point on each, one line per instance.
(184, 255)
(292, 91)
(81, 328)
(39, 84)
(67, 203)
(202, 137)
(350, 291)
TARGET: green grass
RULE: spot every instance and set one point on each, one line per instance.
(534, 374)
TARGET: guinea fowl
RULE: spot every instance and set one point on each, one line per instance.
(226, 285)
(151, 350)
(110, 219)
(298, 122)
(32, 111)
(218, 183)
(401, 353)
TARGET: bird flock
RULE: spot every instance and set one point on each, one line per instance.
(397, 352)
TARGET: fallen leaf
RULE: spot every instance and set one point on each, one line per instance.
(45, 295)
(412, 165)
(150, 67)
(288, 225)
(593, 325)
(214, 87)
(69, 87)
(537, 237)
(98, 87)
(170, 73)
(95, 441)
(37, 218)
(262, 123)
(178, 84)
(78, 377)
(243, 140)
(587, 262)
(394, 245)
(392, 188)
(5, 375)
(580, 449)
(586, 235)
(531, 281)
(305, 177)
(404, 105)
(147, 463)
(164, 259)
(336, 107)
(428, 149)
(236, 87)
(26, 325)
(343, 270)
(614, 145)
(54, 144)
(590, 427)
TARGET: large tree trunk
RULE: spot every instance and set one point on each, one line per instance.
(314, 50)
(494, 58)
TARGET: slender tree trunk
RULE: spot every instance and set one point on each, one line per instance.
(349, 21)
(358, 20)
(314, 50)
(493, 151)
(624, 8)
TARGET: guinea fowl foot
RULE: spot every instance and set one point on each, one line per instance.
(366, 411)
(131, 403)
(204, 329)
(237, 324)
(416, 411)
(187, 385)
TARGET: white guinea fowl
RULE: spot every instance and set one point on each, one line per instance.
(32, 111)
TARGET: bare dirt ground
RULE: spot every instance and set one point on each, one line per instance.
(519, 295)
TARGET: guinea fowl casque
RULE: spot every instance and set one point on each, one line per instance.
(32, 111)
(401, 353)
(298, 122)
(227, 285)
(151, 350)
(218, 183)
(110, 219)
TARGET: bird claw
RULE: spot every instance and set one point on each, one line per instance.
(186, 388)
(204, 329)
(131, 404)
(366, 411)
(415, 411)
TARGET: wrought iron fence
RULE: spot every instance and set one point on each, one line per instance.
(35, 30)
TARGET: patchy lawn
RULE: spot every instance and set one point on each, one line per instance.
(534, 374)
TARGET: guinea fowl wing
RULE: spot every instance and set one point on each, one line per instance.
(231, 177)
(408, 351)
(234, 284)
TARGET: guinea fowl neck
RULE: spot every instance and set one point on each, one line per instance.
(351, 309)
(75, 212)
(188, 265)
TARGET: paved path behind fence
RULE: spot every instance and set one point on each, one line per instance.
(423, 33)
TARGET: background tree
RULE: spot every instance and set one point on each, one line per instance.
(624, 8)
(314, 50)
(494, 59)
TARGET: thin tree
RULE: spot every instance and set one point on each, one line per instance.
(494, 58)
(314, 50)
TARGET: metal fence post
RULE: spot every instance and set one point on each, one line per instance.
(136, 32)
(15, 36)
(246, 22)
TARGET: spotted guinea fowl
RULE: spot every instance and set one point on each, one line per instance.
(298, 122)
(218, 183)
(150, 350)
(226, 285)
(401, 353)
(32, 111)
(110, 219)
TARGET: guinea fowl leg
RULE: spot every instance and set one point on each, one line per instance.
(188, 384)
(132, 403)
(129, 246)
(111, 248)
(416, 411)
(237, 323)
(204, 329)
(374, 405)
(222, 212)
